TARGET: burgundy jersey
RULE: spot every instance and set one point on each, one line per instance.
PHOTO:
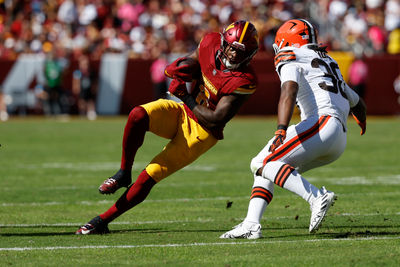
(218, 81)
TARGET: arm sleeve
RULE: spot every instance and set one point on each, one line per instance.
(290, 72)
(352, 96)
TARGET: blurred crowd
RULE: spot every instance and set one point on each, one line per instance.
(148, 28)
(82, 31)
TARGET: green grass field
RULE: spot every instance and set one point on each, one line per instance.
(50, 171)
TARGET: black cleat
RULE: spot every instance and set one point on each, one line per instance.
(120, 179)
(96, 226)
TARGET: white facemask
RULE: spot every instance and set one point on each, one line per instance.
(229, 65)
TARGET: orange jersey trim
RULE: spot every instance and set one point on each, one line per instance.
(295, 141)
(284, 56)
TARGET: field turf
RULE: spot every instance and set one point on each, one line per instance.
(50, 170)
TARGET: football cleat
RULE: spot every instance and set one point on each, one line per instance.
(244, 230)
(95, 226)
(120, 179)
(320, 207)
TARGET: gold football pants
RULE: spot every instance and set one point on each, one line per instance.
(189, 139)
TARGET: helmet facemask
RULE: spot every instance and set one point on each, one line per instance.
(276, 47)
(240, 51)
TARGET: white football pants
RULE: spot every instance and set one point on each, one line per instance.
(309, 144)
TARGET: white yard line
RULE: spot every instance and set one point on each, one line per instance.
(233, 243)
(104, 166)
(88, 203)
(115, 223)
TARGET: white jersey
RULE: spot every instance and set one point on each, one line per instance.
(322, 90)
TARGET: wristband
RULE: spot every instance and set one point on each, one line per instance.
(282, 127)
(189, 101)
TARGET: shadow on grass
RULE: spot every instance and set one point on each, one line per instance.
(375, 232)
(353, 231)
(72, 232)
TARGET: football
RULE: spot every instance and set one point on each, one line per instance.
(193, 67)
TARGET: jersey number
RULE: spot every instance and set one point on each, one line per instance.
(203, 97)
(332, 71)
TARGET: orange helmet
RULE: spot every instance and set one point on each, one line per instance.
(295, 32)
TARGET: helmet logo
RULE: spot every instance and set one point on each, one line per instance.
(229, 27)
(294, 24)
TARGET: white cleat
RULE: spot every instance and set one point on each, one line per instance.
(244, 230)
(320, 207)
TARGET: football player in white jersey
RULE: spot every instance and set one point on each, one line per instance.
(311, 79)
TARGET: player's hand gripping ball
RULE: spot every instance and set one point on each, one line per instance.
(184, 68)
(178, 88)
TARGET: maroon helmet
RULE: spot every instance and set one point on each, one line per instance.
(243, 37)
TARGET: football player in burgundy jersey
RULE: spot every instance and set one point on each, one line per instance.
(311, 79)
(222, 81)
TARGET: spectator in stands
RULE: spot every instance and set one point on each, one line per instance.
(396, 85)
(25, 24)
(377, 37)
(3, 107)
(53, 76)
(84, 85)
(158, 78)
(394, 41)
(392, 15)
(358, 73)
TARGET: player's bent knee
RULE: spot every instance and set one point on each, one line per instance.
(255, 165)
(138, 114)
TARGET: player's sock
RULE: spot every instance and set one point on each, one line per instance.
(261, 196)
(134, 195)
(135, 129)
(287, 177)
